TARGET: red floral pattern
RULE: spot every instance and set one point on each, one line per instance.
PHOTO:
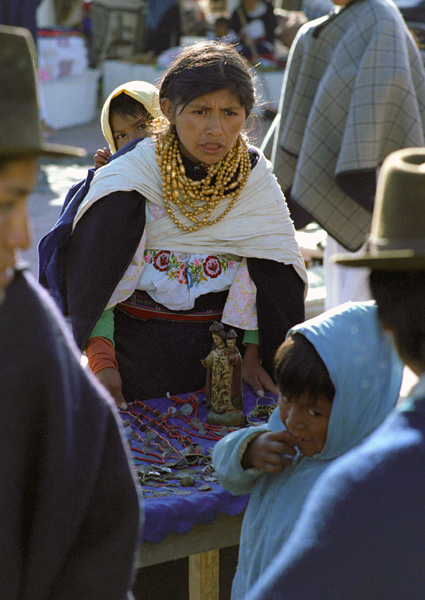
(181, 275)
(212, 267)
(161, 260)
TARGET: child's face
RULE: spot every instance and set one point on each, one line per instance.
(126, 128)
(307, 420)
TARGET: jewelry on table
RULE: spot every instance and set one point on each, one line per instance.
(261, 411)
(153, 440)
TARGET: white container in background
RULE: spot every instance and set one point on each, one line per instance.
(61, 56)
(71, 101)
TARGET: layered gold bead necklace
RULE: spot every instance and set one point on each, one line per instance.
(196, 200)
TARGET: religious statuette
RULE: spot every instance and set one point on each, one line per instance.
(224, 379)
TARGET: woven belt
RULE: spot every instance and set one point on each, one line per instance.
(138, 308)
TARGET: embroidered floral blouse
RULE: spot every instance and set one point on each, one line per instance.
(176, 279)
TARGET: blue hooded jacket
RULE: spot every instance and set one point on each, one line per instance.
(367, 374)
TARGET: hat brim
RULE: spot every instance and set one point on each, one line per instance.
(389, 260)
(44, 149)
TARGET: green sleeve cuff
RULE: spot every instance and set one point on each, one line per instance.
(251, 337)
(105, 326)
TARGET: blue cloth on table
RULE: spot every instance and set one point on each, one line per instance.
(164, 514)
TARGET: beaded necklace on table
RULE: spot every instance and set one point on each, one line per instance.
(165, 452)
(196, 200)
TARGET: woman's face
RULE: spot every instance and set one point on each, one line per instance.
(208, 126)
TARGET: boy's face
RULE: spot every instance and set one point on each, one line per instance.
(126, 128)
(17, 180)
(307, 420)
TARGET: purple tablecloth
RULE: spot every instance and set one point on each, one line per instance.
(179, 508)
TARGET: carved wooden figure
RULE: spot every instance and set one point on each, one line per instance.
(224, 379)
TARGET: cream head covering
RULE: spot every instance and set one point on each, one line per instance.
(143, 92)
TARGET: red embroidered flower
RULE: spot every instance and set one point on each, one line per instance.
(181, 275)
(161, 260)
(212, 267)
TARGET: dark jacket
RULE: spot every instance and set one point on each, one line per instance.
(68, 503)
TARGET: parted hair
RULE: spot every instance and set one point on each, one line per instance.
(299, 369)
(204, 68)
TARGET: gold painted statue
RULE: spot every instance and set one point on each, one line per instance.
(224, 379)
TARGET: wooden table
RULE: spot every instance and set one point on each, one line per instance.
(201, 545)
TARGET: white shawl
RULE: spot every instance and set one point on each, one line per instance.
(258, 225)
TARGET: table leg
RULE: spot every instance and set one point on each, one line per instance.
(204, 576)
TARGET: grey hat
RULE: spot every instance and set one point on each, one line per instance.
(20, 129)
(397, 237)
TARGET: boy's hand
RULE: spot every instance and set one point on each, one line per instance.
(266, 452)
(101, 157)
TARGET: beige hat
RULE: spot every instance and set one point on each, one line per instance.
(142, 91)
(20, 129)
(397, 237)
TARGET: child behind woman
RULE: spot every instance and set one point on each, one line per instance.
(126, 116)
(338, 378)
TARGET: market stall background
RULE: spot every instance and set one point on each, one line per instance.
(85, 50)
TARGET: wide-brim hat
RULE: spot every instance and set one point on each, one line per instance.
(20, 127)
(397, 236)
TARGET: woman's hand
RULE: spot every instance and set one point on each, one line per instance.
(101, 157)
(254, 374)
(267, 452)
(111, 379)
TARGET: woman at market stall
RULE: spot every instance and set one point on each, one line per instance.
(186, 228)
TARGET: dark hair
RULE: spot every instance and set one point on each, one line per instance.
(400, 296)
(123, 104)
(222, 18)
(208, 67)
(299, 369)
(4, 162)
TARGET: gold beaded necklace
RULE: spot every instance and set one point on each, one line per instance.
(196, 200)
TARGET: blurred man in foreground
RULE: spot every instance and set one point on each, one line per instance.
(69, 513)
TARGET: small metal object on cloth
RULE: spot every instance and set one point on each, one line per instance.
(187, 481)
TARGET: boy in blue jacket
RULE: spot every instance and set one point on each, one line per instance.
(338, 378)
(361, 533)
